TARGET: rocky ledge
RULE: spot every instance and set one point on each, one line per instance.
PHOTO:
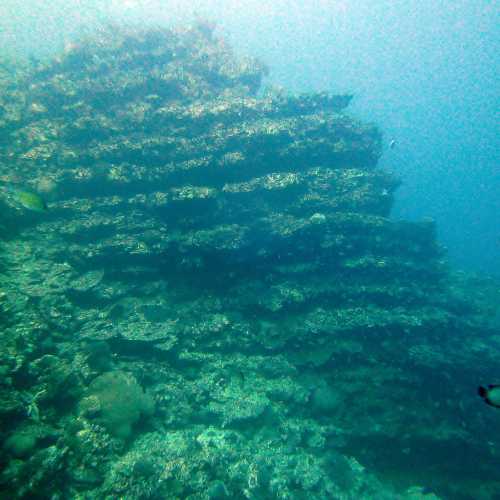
(217, 304)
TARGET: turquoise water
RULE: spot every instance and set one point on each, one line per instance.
(235, 292)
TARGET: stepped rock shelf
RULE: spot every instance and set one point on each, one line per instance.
(217, 301)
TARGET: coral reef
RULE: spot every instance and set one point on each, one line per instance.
(217, 304)
(117, 400)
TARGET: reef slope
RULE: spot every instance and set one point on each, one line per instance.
(217, 304)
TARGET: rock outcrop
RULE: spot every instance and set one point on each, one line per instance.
(231, 250)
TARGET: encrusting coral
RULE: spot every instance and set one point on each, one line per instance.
(216, 303)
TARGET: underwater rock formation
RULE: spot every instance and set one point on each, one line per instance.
(230, 251)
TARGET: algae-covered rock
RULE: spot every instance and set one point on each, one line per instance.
(20, 444)
(116, 401)
(232, 251)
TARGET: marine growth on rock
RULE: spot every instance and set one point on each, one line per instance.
(217, 299)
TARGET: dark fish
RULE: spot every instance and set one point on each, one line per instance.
(490, 394)
(240, 377)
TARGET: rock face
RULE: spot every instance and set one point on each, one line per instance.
(230, 251)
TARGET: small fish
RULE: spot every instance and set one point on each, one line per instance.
(392, 144)
(237, 378)
(490, 394)
(28, 199)
(240, 376)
